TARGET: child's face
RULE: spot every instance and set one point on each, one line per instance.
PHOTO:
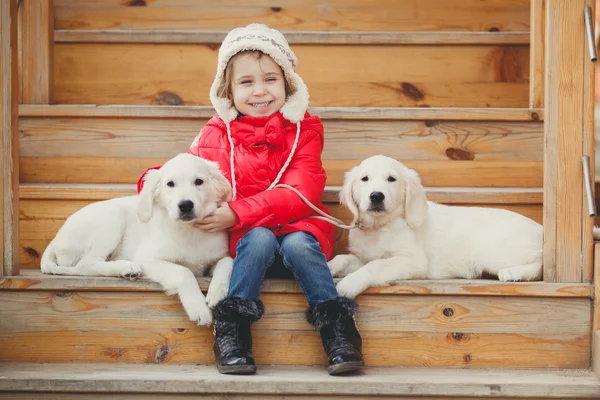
(258, 86)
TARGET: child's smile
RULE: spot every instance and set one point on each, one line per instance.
(258, 86)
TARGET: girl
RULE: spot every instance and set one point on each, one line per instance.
(261, 136)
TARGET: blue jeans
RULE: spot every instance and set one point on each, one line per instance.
(299, 252)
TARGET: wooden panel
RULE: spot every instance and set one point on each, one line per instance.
(565, 55)
(41, 219)
(325, 113)
(33, 279)
(398, 76)
(416, 140)
(187, 396)
(451, 195)
(216, 37)
(407, 331)
(290, 382)
(38, 53)
(296, 15)
(537, 50)
(9, 156)
(433, 173)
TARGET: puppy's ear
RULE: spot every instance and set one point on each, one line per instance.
(221, 183)
(346, 197)
(415, 200)
(147, 195)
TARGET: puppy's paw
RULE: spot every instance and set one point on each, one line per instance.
(130, 270)
(510, 275)
(217, 291)
(348, 287)
(199, 312)
(336, 266)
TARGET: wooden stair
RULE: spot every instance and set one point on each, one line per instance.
(103, 381)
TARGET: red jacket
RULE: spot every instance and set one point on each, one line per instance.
(261, 147)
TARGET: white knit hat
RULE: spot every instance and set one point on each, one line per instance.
(273, 43)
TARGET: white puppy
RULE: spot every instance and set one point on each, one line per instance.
(153, 235)
(404, 236)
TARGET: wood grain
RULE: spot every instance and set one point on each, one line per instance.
(563, 198)
(410, 331)
(38, 52)
(427, 76)
(408, 140)
(33, 279)
(296, 15)
(325, 113)
(323, 38)
(9, 156)
(525, 174)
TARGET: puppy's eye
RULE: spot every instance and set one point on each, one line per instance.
(171, 184)
(365, 179)
(198, 182)
(391, 179)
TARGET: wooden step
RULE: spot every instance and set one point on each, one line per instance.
(463, 147)
(18, 380)
(44, 207)
(449, 323)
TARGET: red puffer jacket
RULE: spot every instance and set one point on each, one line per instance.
(261, 147)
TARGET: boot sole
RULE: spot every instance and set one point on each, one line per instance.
(343, 368)
(237, 369)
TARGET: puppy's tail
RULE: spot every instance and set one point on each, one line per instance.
(48, 263)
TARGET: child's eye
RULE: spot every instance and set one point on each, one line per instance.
(271, 79)
(198, 182)
(246, 82)
(171, 184)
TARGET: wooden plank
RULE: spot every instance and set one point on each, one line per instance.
(325, 113)
(465, 76)
(33, 279)
(446, 195)
(451, 331)
(38, 53)
(185, 396)
(297, 380)
(536, 74)
(416, 140)
(9, 177)
(325, 38)
(433, 173)
(294, 15)
(41, 218)
(564, 137)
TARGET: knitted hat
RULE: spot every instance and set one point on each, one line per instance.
(273, 43)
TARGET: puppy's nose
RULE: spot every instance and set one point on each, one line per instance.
(376, 197)
(185, 206)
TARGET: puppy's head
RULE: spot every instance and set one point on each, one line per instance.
(381, 189)
(186, 187)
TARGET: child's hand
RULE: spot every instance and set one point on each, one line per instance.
(221, 219)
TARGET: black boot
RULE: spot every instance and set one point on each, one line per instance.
(233, 340)
(342, 342)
